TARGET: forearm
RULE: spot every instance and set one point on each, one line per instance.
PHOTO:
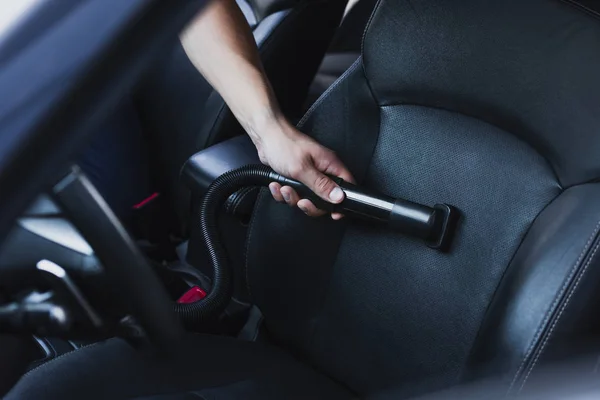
(220, 44)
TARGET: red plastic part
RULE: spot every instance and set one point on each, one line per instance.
(192, 295)
(146, 201)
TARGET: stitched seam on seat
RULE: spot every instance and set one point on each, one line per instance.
(362, 47)
(553, 306)
(368, 26)
(562, 309)
(583, 8)
(58, 358)
(320, 100)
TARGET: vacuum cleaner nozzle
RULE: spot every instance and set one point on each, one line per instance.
(435, 225)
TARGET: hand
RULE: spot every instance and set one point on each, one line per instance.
(297, 156)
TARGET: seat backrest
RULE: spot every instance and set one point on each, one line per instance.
(188, 115)
(344, 48)
(491, 106)
(348, 37)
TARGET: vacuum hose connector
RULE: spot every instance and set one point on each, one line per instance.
(432, 224)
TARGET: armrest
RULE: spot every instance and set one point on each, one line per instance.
(207, 165)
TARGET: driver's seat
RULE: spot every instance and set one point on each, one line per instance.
(493, 107)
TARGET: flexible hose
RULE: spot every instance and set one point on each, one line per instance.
(193, 314)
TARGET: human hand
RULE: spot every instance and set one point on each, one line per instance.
(295, 155)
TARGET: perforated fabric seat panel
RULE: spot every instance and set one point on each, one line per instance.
(388, 296)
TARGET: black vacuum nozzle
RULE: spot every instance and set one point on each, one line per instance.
(435, 225)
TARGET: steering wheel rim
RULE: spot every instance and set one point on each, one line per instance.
(139, 289)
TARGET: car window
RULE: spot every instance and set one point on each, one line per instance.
(12, 12)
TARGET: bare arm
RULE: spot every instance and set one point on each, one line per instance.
(221, 46)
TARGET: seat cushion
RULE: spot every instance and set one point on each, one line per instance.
(202, 367)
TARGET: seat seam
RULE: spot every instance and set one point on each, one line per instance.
(362, 47)
(553, 307)
(561, 311)
(39, 367)
(573, 3)
(325, 94)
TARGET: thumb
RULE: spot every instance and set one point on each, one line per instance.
(322, 185)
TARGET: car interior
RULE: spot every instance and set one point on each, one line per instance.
(483, 114)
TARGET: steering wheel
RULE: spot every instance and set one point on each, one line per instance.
(134, 281)
(99, 50)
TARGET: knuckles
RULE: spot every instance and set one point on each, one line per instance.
(322, 183)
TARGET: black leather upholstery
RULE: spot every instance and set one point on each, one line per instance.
(548, 295)
(491, 107)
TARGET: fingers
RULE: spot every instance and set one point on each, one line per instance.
(284, 194)
(275, 189)
(337, 216)
(311, 164)
(309, 208)
(323, 186)
(314, 175)
(288, 195)
(330, 164)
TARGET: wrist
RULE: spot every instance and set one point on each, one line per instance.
(265, 125)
